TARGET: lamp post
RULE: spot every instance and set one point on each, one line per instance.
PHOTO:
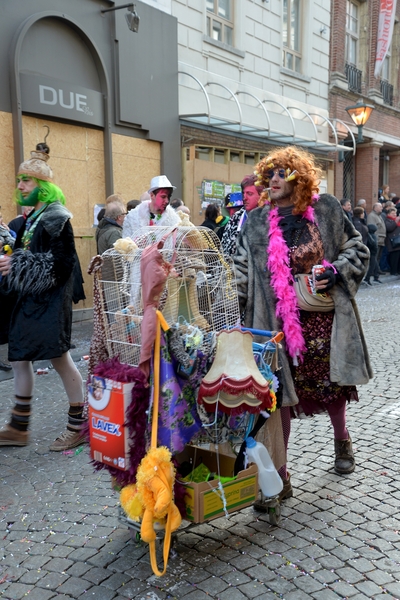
(360, 113)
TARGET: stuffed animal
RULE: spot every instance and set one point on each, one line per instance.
(130, 502)
(185, 221)
(154, 481)
(125, 245)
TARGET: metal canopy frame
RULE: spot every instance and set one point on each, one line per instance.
(288, 137)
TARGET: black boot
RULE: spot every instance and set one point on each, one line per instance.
(344, 457)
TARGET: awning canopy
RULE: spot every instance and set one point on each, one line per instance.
(278, 123)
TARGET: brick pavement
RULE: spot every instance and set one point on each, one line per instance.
(338, 537)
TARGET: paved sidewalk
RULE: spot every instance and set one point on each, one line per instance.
(339, 537)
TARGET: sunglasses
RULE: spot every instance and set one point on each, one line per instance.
(281, 173)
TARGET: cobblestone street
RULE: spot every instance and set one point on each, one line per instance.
(339, 536)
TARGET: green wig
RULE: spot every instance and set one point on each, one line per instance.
(48, 192)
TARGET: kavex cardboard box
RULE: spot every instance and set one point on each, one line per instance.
(108, 401)
(203, 500)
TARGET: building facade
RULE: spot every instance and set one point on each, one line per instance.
(109, 96)
(354, 42)
(252, 74)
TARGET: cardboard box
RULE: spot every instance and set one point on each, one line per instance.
(108, 401)
(203, 500)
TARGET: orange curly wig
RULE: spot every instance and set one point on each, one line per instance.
(306, 180)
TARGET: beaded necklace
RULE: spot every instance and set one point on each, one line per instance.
(30, 226)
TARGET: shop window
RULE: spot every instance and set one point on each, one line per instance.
(291, 37)
(352, 32)
(220, 20)
(249, 159)
(219, 156)
(203, 153)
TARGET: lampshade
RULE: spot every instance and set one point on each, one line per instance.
(234, 380)
(360, 112)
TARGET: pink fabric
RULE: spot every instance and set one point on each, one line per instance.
(282, 283)
(154, 271)
(329, 265)
(309, 214)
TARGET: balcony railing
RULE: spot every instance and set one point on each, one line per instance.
(387, 92)
(354, 78)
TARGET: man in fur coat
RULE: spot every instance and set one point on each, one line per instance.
(324, 354)
(155, 211)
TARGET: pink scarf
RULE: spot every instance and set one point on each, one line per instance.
(278, 264)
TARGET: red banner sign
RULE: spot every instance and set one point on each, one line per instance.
(387, 12)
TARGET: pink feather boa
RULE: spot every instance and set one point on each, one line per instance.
(282, 280)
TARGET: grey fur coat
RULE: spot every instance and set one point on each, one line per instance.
(349, 360)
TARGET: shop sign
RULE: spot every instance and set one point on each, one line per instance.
(56, 98)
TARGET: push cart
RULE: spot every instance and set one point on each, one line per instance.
(199, 301)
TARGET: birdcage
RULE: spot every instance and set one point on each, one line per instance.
(202, 295)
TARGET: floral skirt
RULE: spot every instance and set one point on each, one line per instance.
(311, 378)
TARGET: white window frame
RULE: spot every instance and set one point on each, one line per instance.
(292, 58)
(386, 67)
(352, 35)
(213, 17)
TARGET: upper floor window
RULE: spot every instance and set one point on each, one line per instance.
(352, 29)
(220, 20)
(385, 74)
(291, 35)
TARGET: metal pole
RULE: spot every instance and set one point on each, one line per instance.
(131, 6)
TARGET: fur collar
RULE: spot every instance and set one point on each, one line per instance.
(54, 218)
(169, 216)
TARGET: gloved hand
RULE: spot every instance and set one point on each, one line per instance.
(331, 277)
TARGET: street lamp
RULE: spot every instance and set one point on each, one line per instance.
(360, 113)
(132, 18)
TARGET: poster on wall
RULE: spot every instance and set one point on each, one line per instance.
(214, 192)
(97, 208)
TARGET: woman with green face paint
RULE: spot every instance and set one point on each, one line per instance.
(39, 275)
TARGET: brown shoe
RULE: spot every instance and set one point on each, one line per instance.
(344, 457)
(287, 490)
(67, 440)
(13, 437)
(262, 504)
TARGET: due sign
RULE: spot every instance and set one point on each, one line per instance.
(49, 95)
(52, 97)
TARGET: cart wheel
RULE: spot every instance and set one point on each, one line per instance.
(137, 537)
(274, 513)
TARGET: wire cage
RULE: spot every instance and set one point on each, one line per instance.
(203, 294)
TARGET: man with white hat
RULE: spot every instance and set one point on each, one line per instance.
(156, 211)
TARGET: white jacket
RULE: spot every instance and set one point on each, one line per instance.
(139, 217)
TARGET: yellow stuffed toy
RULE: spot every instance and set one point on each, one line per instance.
(131, 503)
(155, 480)
(150, 500)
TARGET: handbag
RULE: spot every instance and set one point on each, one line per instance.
(306, 300)
(395, 241)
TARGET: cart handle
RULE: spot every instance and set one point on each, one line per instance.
(274, 338)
